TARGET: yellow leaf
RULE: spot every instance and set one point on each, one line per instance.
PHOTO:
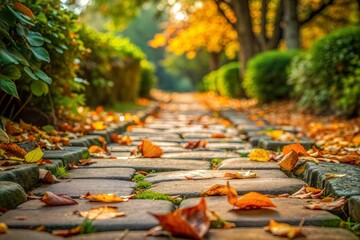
(260, 155)
(3, 228)
(34, 155)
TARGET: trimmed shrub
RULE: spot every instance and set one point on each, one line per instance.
(148, 78)
(327, 79)
(225, 81)
(266, 76)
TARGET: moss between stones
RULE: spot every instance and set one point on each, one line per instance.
(157, 196)
(215, 163)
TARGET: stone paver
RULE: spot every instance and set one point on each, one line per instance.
(104, 173)
(287, 210)
(246, 163)
(127, 149)
(198, 174)
(148, 164)
(137, 217)
(200, 155)
(27, 175)
(11, 195)
(20, 234)
(354, 208)
(192, 188)
(77, 187)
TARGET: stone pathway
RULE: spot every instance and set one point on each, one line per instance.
(171, 131)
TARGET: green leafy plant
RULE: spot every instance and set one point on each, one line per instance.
(215, 163)
(61, 172)
(266, 76)
(138, 178)
(148, 78)
(157, 196)
(87, 226)
(351, 226)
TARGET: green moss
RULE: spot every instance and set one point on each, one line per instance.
(157, 196)
(143, 185)
(61, 172)
(215, 163)
(138, 178)
(243, 155)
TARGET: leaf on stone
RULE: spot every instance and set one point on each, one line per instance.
(195, 145)
(191, 222)
(251, 200)
(99, 125)
(218, 190)
(333, 175)
(260, 155)
(297, 147)
(305, 192)
(45, 176)
(67, 232)
(240, 175)
(3, 228)
(309, 159)
(88, 161)
(13, 151)
(108, 198)
(52, 199)
(328, 204)
(218, 135)
(101, 213)
(148, 150)
(283, 229)
(120, 139)
(34, 155)
(198, 175)
(289, 161)
(96, 149)
(25, 10)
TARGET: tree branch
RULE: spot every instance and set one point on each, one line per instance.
(221, 11)
(316, 12)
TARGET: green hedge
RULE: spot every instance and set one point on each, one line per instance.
(327, 78)
(148, 78)
(225, 81)
(266, 76)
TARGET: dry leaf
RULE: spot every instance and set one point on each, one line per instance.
(101, 213)
(218, 135)
(333, 175)
(328, 204)
(305, 192)
(217, 190)
(88, 161)
(260, 155)
(195, 145)
(96, 149)
(45, 176)
(67, 233)
(108, 198)
(20, 218)
(52, 199)
(3, 228)
(148, 150)
(13, 150)
(283, 229)
(191, 222)
(44, 162)
(240, 175)
(199, 175)
(289, 161)
(220, 222)
(297, 147)
(251, 200)
(122, 140)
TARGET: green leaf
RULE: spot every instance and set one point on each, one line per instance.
(43, 76)
(39, 88)
(20, 16)
(48, 128)
(16, 54)
(35, 39)
(4, 138)
(40, 53)
(7, 36)
(34, 155)
(8, 86)
(30, 73)
(12, 72)
(6, 57)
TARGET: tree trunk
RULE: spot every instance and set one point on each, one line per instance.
(248, 43)
(214, 61)
(292, 30)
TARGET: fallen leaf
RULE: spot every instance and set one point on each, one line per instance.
(289, 161)
(34, 155)
(218, 190)
(199, 175)
(297, 147)
(195, 145)
(240, 175)
(305, 192)
(144, 173)
(101, 213)
(98, 126)
(67, 233)
(88, 161)
(260, 155)
(122, 140)
(96, 149)
(4, 138)
(44, 162)
(220, 222)
(52, 199)
(108, 198)
(20, 218)
(191, 222)
(148, 150)
(283, 229)
(45, 176)
(327, 204)
(12, 150)
(333, 175)
(3, 228)
(251, 200)
(218, 135)
(73, 166)
(309, 159)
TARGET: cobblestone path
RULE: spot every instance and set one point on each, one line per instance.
(171, 131)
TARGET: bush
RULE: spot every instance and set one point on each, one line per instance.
(225, 81)
(148, 78)
(266, 76)
(327, 79)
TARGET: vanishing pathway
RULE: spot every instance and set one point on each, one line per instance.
(171, 131)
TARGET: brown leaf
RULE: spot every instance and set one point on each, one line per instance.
(283, 229)
(289, 161)
(108, 198)
(101, 213)
(297, 147)
(148, 149)
(260, 155)
(52, 199)
(13, 150)
(240, 175)
(218, 135)
(333, 175)
(25, 10)
(328, 204)
(195, 145)
(96, 149)
(217, 190)
(44, 162)
(191, 222)
(251, 200)
(67, 233)
(46, 177)
(306, 192)
(87, 161)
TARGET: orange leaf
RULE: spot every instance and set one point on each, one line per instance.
(327, 205)
(297, 147)
(240, 175)
(88, 161)
(260, 155)
(283, 229)
(13, 150)
(96, 149)
(101, 213)
(251, 200)
(108, 198)
(218, 190)
(57, 200)
(289, 161)
(25, 10)
(194, 145)
(150, 150)
(67, 233)
(44, 162)
(124, 140)
(98, 126)
(218, 135)
(191, 222)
